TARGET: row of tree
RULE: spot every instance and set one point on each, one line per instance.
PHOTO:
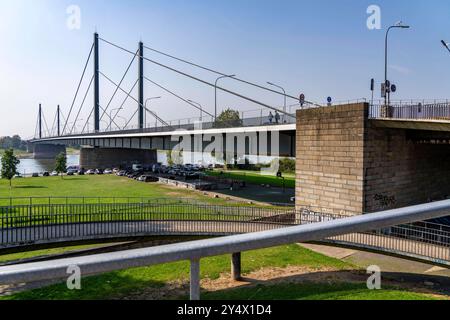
(14, 142)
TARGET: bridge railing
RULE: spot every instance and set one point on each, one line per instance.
(419, 111)
(194, 251)
(250, 118)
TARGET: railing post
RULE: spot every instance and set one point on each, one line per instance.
(195, 280)
(236, 266)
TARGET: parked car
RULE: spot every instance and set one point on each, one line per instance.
(121, 173)
(54, 174)
(71, 172)
(81, 172)
(145, 178)
(90, 172)
(35, 175)
(116, 170)
(46, 174)
(108, 171)
(98, 171)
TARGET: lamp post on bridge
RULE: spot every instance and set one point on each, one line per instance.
(201, 108)
(398, 25)
(215, 92)
(285, 98)
(146, 109)
(110, 116)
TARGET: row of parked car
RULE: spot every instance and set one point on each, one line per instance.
(139, 175)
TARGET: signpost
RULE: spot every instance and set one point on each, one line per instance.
(302, 100)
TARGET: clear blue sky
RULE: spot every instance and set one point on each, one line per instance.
(322, 48)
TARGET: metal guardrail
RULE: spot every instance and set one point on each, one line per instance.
(194, 251)
(418, 111)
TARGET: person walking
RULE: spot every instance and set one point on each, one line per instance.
(270, 117)
(277, 117)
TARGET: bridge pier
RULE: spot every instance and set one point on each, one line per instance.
(347, 163)
(47, 151)
(102, 158)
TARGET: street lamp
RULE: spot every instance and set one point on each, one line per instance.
(446, 45)
(146, 109)
(398, 25)
(284, 91)
(110, 117)
(200, 106)
(215, 92)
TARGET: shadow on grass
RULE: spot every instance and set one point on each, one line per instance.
(102, 287)
(30, 187)
(332, 285)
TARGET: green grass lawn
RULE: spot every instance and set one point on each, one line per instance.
(316, 291)
(132, 282)
(92, 186)
(255, 177)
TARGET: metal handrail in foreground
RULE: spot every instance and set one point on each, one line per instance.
(194, 251)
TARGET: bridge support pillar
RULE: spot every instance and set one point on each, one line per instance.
(102, 158)
(236, 266)
(47, 151)
(347, 163)
(195, 280)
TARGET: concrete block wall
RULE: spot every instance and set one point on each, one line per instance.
(347, 164)
(330, 158)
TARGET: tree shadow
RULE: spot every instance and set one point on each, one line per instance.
(29, 187)
(326, 284)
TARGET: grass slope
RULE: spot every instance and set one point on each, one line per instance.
(120, 283)
(315, 291)
(254, 177)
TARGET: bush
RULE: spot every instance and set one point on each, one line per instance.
(287, 165)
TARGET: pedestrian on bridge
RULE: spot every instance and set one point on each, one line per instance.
(277, 117)
(270, 117)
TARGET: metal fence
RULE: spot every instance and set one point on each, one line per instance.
(432, 111)
(194, 251)
(37, 223)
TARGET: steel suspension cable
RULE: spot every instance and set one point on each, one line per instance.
(202, 81)
(78, 88)
(123, 103)
(154, 114)
(45, 122)
(82, 104)
(175, 95)
(120, 83)
(223, 74)
(87, 121)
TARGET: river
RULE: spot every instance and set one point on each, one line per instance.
(29, 166)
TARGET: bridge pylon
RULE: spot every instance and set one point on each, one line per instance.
(96, 85)
(141, 85)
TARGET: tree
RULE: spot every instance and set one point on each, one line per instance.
(61, 163)
(9, 165)
(228, 118)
